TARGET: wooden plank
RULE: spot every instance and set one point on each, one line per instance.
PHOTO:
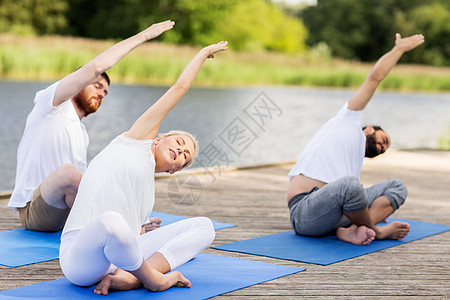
(255, 200)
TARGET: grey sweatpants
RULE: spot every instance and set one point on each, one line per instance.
(322, 211)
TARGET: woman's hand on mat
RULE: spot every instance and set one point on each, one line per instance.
(408, 43)
(153, 223)
(157, 29)
(214, 48)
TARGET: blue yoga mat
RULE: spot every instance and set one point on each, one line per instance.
(324, 250)
(19, 247)
(210, 275)
(168, 219)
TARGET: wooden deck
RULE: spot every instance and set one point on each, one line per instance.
(254, 199)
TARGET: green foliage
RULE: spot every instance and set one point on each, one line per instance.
(104, 18)
(31, 17)
(351, 29)
(318, 54)
(338, 23)
(365, 29)
(434, 22)
(444, 140)
(259, 25)
(247, 25)
(51, 58)
(195, 21)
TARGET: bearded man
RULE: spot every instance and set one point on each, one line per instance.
(325, 195)
(52, 153)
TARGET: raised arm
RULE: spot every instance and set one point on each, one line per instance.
(382, 68)
(147, 125)
(73, 83)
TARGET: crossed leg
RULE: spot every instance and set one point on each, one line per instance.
(364, 222)
(182, 241)
(123, 280)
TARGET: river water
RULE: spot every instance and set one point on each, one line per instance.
(235, 126)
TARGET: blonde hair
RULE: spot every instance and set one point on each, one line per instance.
(193, 139)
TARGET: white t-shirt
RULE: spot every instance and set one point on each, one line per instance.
(53, 136)
(120, 179)
(337, 149)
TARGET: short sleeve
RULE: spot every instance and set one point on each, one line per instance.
(43, 100)
(353, 116)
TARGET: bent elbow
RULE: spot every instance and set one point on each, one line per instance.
(94, 68)
(181, 87)
(375, 77)
(99, 68)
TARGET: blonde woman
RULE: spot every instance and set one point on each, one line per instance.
(104, 237)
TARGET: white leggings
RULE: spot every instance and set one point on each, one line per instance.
(107, 242)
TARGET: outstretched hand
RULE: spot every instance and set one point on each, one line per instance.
(408, 43)
(214, 48)
(157, 29)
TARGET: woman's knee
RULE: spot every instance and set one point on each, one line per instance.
(113, 224)
(209, 229)
(206, 226)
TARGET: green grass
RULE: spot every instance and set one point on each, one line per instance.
(50, 58)
(444, 141)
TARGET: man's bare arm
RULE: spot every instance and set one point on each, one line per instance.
(382, 68)
(73, 83)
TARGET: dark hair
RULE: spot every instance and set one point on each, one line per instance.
(104, 75)
(375, 127)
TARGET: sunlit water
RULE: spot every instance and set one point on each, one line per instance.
(235, 126)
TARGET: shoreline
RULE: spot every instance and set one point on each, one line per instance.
(52, 57)
(254, 86)
(414, 160)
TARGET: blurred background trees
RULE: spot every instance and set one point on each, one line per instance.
(365, 29)
(33, 17)
(350, 29)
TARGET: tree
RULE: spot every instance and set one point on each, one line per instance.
(104, 18)
(249, 25)
(196, 20)
(340, 23)
(258, 25)
(365, 29)
(34, 17)
(434, 22)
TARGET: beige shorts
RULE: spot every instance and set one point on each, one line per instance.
(38, 215)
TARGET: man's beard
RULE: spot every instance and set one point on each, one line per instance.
(88, 105)
(371, 146)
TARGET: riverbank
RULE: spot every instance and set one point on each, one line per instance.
(255, 200)
(51, 57)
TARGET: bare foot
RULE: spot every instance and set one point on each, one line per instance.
(358, 235)
(121, 281)
(182, 281)
(169, 280)
(393, 231)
